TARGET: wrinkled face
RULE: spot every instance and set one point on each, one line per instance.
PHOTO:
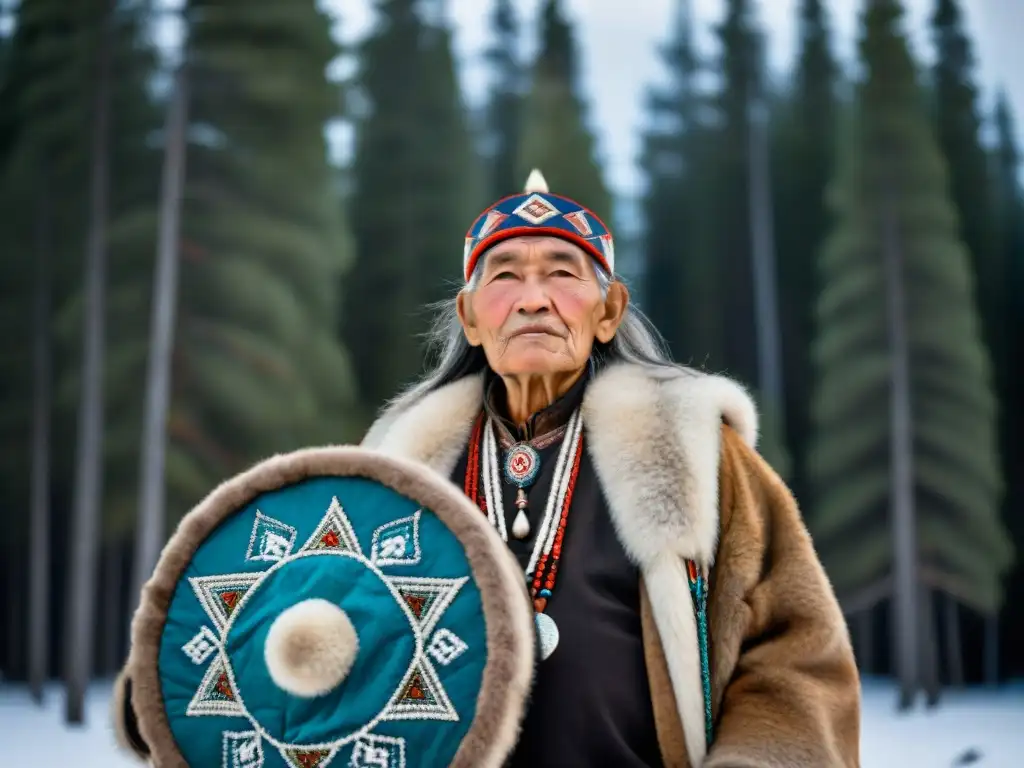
(536, 307)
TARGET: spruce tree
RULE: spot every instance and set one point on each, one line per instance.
(413, 196)
(556, 138)
(505, 103)
(448, 174)
(958, 125)
(257, 368)
(1010, 200)
(897, 325)
(729, 191)
(680, 280)
(805, 141)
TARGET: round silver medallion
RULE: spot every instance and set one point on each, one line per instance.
(547, 634)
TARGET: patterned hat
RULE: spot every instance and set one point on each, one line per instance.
(538, 212)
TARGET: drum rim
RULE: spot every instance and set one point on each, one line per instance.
(511, 639)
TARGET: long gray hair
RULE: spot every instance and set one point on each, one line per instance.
(452, 357)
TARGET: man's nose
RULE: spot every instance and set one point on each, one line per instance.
(534, 298)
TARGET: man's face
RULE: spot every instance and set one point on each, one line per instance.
(537, 307)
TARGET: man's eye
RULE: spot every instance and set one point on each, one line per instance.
(504, 276)
(562, 273)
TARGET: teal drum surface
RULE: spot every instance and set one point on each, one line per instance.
(404, 582)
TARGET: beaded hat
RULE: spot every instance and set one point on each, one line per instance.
(539, 212)
(333, 608)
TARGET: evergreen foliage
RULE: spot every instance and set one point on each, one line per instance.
(891, 166)
(414, 196)
(556, 138)
(676, 224)
(805, 144)
(505, 104)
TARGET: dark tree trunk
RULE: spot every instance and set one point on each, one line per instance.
(864, 632)
(954, 646)
(85, 525)
(905, 605)
(929, 648)
(39, 524)
(150, 529)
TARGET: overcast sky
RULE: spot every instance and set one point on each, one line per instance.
(618, 46)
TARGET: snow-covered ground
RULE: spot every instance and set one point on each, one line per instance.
(989, 722)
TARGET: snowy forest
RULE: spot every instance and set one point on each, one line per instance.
(189, 282)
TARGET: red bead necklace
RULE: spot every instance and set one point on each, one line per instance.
(546, 571)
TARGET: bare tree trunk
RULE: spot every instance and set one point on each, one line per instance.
(769, 348)
(79, 634)
(865, 638)
(111, 602)
(150, 530)
(954, 646)
(905, 606)
(39, 524)
(992, 650)
(929, 647)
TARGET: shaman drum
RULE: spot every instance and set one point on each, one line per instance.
(333, 607)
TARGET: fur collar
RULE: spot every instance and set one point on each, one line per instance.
(654, 439)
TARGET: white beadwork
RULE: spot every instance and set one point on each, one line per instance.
(378, 752)
(210, 589)
(242, 749)
(536, 210)
(556, 498)
(270, 540)
(218, 693)
(397, 542)
(200, 647)
(445, 646)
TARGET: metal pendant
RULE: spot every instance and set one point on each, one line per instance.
(522, 464)
(547, 634)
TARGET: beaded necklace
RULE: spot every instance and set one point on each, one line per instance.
(542, 570)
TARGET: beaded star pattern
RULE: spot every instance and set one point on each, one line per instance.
(420, 695)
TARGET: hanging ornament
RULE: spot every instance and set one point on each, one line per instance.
(522, 463)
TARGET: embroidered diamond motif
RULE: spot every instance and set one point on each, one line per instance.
(378, 752)
(536, 210)
(242, 749)
(307, 758)
(216, 694)
(221, 594)
(334, 532)
(397, 542)
(580, 222)
(271, 540)
(491, 222)
(445, 647)
(427, 598)
(421, 697)
(199, 648)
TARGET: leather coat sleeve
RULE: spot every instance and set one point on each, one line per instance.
(786, 690)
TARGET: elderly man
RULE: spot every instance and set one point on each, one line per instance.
(683, 616)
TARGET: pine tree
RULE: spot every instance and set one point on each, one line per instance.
(448, 168)
(805, 159)
(1010, 199)
(903, 408)
(555, 135)
(680, 279)
(256, 365)
(958, 127)
(413, 196)
(729, 191)
(505, 104)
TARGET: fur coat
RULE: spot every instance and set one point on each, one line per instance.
(676, 461)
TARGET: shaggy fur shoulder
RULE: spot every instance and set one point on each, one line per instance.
(654, 437)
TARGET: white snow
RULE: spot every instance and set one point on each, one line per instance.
(990, 721)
